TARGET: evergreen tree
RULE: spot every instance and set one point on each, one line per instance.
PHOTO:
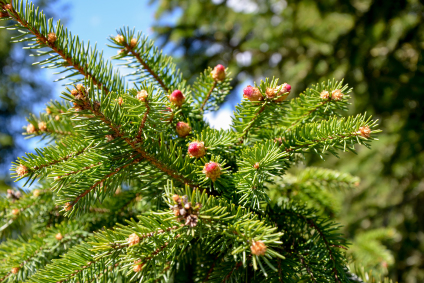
(376, 46)
(136, 187)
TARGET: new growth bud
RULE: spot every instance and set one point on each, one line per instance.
(30, 129)
(59, 236)
(142, 95)
(133, 42)
(258, 248)
(51, 37)
(252, 93)
(212, 170)
(324, 94)
(280, 92)
(42, 126)
(119, 39)
(218, 73)
(365, 132)
(177, 98)
(15, 211)
(138, 267)
(284, 92)
(80, 88)
(22, 170)
(36, 193)
(15, 270)
(183, 129)
(337, 94)
(133, 239)
(196, 149)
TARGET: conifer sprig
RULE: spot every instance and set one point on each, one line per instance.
(150, 64)
(73, 56)
(119, 151)
(209, 92)
(329, 135)
(317, 102)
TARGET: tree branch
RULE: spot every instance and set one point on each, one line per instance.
(207, 96)
(145, 66)
(42, 39)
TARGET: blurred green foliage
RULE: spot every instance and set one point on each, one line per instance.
(375, 45)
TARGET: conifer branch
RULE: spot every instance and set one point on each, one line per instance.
(143, 122)
(316, 103)
(49, 157)
(54, 132)
(81, 170)
(252, 121)
(146, 66)
(127, 146)
(117, 170)
(211, 88)
(329, 135)
(157, 251)
(44, 40)
(236, 266)
(308, 113)
(208, 95)
(135, 147)
(150, 64)
(307, 268)
(313, 225)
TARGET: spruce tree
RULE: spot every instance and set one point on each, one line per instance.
(136, 187)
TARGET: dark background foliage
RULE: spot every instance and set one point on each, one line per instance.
(376, 46)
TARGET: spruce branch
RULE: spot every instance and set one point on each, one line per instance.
(210, 91)
(137, 55)
(316, 103)
(143, 122)
(31, 255)
(321, 231)
(207, 96)
(328, 135)
(259, 112)
(118, 152)
(118, 133)
(69, 50)
(70, 205)
(150, 64)
(50, 156)
(30, 206)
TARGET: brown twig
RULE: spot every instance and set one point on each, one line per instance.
(42, 39)
(145, 66)
(104, 179)
(308, 113)
(246, 131)
(308, 270)
(207, 96)
(143, 122)
(320, 140)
